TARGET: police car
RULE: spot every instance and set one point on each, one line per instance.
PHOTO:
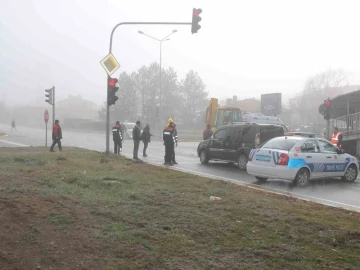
(300, 159)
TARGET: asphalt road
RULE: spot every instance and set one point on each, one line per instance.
(332, 192)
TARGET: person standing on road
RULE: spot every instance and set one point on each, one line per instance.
(207, 133)
(136, 138)
(168, 138)
(56, 136)
(175, 145)
(336, 138)
(13, 125)
(145, 136)
(117, 138)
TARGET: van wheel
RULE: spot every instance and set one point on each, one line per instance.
(302, 178)
(261, 179)
(351, 174)
(204, 159)
(242, 161)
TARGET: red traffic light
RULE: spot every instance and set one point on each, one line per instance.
(195, 20)
(196, 12)
(112, 82)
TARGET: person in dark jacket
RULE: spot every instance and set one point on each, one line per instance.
(175, 144)
(56, 136)
(207, 133)
(117, 137)
(136, 133)
(145, 136)
(13, 125)
(168, 138)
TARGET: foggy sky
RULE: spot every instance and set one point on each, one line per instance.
(244, 47)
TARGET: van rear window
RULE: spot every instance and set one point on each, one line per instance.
(281, 143)
(269, 132)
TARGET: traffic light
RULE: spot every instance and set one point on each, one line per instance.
(195, 20)
(112, 89)
(49, 96)
(327, 109)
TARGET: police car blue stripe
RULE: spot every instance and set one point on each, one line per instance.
(296, 163)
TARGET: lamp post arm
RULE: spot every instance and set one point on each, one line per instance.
(110, 50)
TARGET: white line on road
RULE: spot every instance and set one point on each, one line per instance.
(14, 143)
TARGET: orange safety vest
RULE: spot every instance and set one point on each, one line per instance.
(335, 138)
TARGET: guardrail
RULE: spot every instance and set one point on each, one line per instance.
(348, 123)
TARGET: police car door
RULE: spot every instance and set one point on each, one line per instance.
(310, 152)
(335, 164)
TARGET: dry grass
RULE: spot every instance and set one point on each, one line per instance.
(161, 219)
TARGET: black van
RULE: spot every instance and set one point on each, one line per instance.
(233, 143)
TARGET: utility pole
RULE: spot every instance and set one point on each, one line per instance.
(160, 74)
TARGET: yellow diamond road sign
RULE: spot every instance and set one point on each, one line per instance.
(110, 64)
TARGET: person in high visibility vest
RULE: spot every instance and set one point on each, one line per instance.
(336, 138)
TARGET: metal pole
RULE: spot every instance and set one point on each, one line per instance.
(160, 94)
(348, 115)
(110, 50)
(53, 105)
(45, 134)
(327, 130)
(107, 114)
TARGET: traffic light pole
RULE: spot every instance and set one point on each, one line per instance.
(53, 114)
(327, 129)
(110, 51)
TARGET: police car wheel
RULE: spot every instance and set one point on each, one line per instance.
(261, 179)
(351, 174)
(302, 178)
(242, 161)
(204, 159)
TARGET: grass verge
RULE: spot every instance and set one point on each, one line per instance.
(144, 216)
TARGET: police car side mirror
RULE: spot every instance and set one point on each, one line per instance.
(340, 151)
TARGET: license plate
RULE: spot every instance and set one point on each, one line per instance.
(262, 158)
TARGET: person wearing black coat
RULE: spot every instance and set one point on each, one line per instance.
(145, 136)
(117, 137)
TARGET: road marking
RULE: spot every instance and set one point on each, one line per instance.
(14, 143)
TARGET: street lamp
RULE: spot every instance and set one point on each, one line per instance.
(160, 90)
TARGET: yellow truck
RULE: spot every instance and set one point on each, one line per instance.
(217, 116)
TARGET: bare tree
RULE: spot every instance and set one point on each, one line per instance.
(314, 94)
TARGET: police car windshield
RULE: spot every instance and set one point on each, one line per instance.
(281, 143)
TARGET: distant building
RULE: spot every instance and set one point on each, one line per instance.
(253, 105)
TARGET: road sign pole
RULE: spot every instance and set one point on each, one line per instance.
(107, 118)
(46, 119)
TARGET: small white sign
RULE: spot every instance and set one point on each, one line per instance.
(110, 64)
